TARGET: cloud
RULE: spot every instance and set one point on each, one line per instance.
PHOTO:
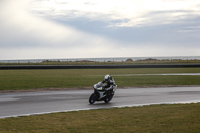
(131, 13)
(126, 51)
(32, 29)
(23, 29)
(160, 21)
(24, 35)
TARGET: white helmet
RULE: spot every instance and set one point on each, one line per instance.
(107, 77)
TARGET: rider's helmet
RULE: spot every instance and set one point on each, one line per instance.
(107, 77)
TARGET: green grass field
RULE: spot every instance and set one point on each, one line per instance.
(178, 118)
(71, 78)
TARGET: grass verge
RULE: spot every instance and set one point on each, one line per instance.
(71, 78)
(179, 118)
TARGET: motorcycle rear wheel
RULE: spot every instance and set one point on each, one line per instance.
(108, 99)
(92, 98)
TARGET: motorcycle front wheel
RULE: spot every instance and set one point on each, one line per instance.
(92, 98)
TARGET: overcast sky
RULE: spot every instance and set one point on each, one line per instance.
(40, 29)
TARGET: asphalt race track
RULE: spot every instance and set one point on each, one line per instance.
(33, 103)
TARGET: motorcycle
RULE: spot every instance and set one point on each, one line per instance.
(100, 94)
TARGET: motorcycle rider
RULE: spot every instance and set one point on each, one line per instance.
(109, 82)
